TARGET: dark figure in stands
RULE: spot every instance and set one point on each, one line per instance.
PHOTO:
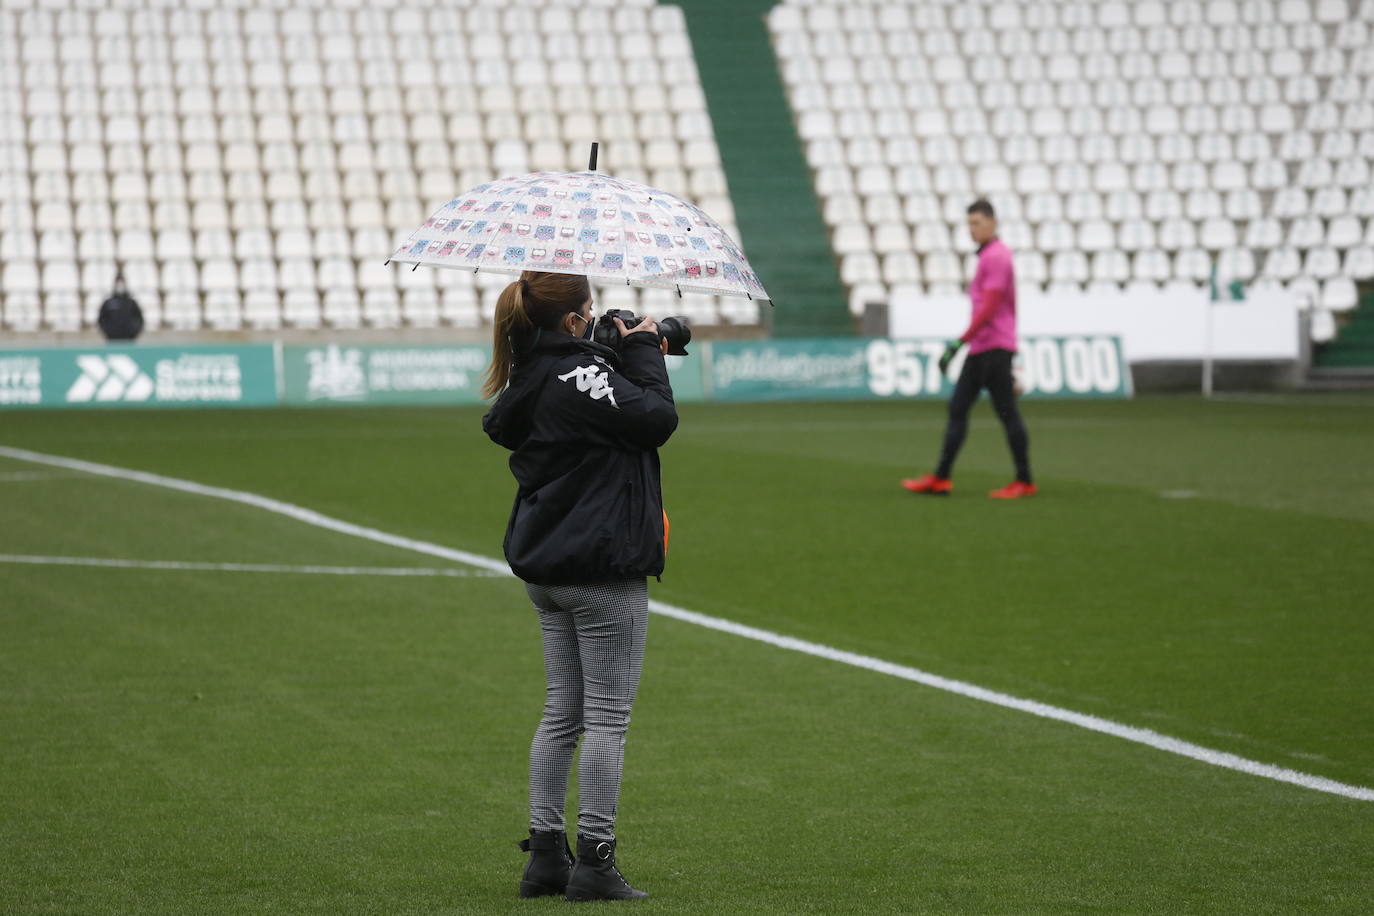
(120, 317)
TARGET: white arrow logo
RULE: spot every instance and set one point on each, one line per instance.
(109, 378)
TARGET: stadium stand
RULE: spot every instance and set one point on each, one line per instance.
(250, 163)
(1122, 143)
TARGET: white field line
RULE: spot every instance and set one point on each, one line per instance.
(962, 688)
(1178, 494)
(21, 476)
(34, 560)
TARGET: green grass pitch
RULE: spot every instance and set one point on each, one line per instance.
(198, 742)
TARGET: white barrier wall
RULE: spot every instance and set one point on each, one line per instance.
(1168, 324)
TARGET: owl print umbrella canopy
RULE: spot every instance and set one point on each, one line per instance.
(604, 228)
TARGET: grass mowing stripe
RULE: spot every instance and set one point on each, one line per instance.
(114, 563)
(962, 688)
(309, 516)
(1093, 723)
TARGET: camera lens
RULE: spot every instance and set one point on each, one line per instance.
(676, 331)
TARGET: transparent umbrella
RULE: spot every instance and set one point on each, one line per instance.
(604, 228)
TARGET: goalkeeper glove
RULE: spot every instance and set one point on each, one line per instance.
(947, 357)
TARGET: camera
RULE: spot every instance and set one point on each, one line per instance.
(673, 329)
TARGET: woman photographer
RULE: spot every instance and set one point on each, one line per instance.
(584, 422)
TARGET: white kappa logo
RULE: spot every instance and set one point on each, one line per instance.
(593, 382)
(109, 378)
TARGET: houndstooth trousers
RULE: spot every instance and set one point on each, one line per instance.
(593, 653)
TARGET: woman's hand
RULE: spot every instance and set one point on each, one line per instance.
(647, 326)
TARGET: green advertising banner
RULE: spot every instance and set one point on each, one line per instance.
(334, 374)
(798, 369)
(687, 374)
(133, 376)
(728, 370)
(834, 368)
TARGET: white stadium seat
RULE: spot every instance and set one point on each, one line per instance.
(1339, 294)
(1282, 264)
(322, 132)
(1322, 264)
(1306, 232)
(1193, 264)
(1264, 232)
(1151, 266)
(1238, 263)
(1193, 127)
(1069, 267)
(1138, 128)
(850, 238)
(1359, 263)
(1218, 233)
(1111, 266)
(1343, 231)
(1323, 326)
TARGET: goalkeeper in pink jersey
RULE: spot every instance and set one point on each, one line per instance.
(991, 340)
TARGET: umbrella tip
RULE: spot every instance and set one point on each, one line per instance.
(591, 163)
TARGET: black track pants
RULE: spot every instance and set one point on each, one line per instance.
(990, 369)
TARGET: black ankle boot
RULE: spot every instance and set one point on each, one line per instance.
(595, 876)
(550, 863)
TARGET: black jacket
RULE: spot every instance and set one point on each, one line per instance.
(584, 423)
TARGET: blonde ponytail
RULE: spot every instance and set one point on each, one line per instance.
(511, 321)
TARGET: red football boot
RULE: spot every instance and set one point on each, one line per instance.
(1014, 490)
(928, 484)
